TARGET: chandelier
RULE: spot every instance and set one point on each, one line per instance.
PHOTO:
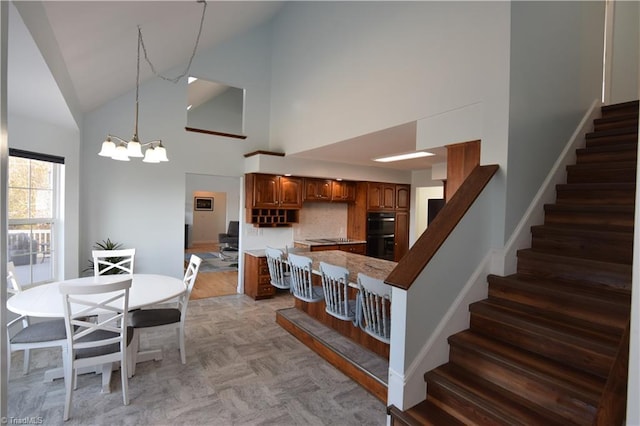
(122, 150)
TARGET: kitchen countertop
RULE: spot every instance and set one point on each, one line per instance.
(328, 241)
(371, 266)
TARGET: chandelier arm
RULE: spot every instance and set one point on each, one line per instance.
(193, 53)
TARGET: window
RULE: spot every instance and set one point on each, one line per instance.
(33, 203)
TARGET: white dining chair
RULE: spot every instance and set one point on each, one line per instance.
(335, 285)
(94, 343)
(108, 262)
(37, 335)
(280, 277)
(302, 279)
(166, 317)
(374, 316)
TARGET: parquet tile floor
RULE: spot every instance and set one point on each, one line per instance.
(242, 369)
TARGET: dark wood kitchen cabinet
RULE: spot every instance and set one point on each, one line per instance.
(317, 189)
(401, 242)
(257, 281)
(381, 196)
(403, 197)
(343, 191)
(268, 191)
(272, 200)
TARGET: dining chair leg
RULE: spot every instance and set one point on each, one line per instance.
(183, 353)
(69, 382)
(124, 377)
(133, 353)
(27, 359)
(106, 377)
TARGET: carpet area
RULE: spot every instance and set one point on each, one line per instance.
(215, 262)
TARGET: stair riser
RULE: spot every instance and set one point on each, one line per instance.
(617, 110)
(525, 384)
(598, 175)
(538, 268)
(588, 218)
(561, 351)
(588, 247)
(596, 197)
(617, 124)
(596, 140)
(460, 407)
(583, 157)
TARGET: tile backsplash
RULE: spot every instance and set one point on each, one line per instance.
(321, 220)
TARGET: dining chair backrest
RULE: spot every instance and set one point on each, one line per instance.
(301, 279)
(13, 285)
(108, 262)
(375, 307)
(190, 276)
(335, 284)
(96, 342)
(275, 262)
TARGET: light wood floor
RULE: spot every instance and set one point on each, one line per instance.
(212, 284)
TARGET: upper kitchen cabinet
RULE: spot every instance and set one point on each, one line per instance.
(272, 200)
(381, 196)
(272, 191)
(317, 189)
(403, 197)
(343, 191)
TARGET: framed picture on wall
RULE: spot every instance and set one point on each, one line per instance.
(203, 203)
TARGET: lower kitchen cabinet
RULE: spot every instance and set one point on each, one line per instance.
(257, 281)
(354, 248)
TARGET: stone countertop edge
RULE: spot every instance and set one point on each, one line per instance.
(332, 243)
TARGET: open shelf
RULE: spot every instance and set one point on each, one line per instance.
(273, 217)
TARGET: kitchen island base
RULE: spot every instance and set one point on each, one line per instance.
(366, 368)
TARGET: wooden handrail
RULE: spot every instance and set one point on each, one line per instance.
(417, 258)
(613, 402)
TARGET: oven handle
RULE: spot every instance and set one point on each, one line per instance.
(381, 236)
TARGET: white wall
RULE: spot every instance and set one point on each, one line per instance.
(624, 78)
(343, 69)
(556, 73)
(142, 205)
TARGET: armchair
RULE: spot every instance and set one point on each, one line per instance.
(232, 234)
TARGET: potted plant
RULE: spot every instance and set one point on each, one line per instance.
(106, 245)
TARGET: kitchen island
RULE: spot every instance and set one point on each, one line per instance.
(355, 263)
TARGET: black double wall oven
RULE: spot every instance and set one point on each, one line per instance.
(381, 228)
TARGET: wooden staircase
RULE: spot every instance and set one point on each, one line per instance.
(540, 349)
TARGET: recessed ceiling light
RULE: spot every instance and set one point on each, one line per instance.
(403, 156)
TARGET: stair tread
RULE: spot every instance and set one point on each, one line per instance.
(426, 413)
(612, 132)
(631, 186)
(617, 208)
(500, 405)
(604, 165)
(557, 258)
(580, 384)
(601, 232)
(613, 295)
(630, 105)
(618, 117)
(551, 327)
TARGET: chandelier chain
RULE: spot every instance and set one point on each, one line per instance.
(193, 53)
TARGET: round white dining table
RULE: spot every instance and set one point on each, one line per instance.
(46, 300)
